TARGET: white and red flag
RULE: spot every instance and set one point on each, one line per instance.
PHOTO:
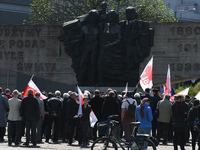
(184, 93)
(80, 95)
(146, 76)
(168, 82)
(33, 86)
(198, 96)
(93, 118)
(126, 88)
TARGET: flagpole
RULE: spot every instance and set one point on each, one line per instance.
(32, 77)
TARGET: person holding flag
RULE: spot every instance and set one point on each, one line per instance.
(85, 120)
(74, 119)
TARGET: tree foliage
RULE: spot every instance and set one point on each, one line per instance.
(55, 12)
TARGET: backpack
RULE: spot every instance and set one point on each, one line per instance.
(196, 123)
(130, 112)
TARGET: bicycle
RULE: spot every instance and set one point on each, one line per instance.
(111, 140)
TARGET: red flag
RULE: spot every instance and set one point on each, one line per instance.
(31, 85)
(168, 83)
(146, 76)
(93, 118)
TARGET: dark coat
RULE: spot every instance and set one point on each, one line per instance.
(65, 112)
(72, 108)
(110, 107)
(156, 98)
(54, 105)
(86, 113)
(178, 112)
(29, 109)
(97, 103)
(3, 109)
(191, 116)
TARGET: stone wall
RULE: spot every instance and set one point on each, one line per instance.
(37, 50)
(177, 44)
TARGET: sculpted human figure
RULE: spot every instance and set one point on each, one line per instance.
(110, 61)
(87, 70)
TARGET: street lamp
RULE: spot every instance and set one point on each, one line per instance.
(184, 11)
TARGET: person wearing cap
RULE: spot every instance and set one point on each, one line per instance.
(85, 121)
(96, 103)
(164, 118)
(126, 121)
(54, 106)
(156, 98)
(64, 117)
(14, 118)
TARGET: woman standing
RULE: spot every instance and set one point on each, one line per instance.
(143, 114)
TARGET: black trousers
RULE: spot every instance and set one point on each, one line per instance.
(2, 133)
(163, 129)
(14, 126)
(154, 127)
(31, 126)
(179, 134)
(84, 127)
(64, 129)
(75, 122)
(195, 136)
(55, 130)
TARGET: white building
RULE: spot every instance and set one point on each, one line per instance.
(185, 10)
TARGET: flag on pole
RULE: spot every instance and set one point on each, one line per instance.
(126, 88)
(146, 76)
(168, 83)
(93, 118)
(32, 85)
(198, 96)
(184, 93)
(80, 95)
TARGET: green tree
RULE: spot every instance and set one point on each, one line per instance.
(56, 12)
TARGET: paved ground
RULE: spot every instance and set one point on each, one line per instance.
(65, 146)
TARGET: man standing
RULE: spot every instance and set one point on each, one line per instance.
(156, 98)
(30, 113)
(74, 120)
(125, 120)
(96, 103)
(14, 118)
(54, 106)
(165, 114)
(3, 109)
(39, 123)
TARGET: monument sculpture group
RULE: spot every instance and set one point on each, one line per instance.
(106, 51)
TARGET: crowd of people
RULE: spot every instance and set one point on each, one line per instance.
(56, 118)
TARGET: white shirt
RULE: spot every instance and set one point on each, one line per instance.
(125, 103)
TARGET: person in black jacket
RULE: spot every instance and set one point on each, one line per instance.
(110, 107)
(96, 103)
(64, 117)
(30, 113)
(85, 121)
(54, 106)
(156, 98)
(193, 113)
(74, 119)
(178, 113)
